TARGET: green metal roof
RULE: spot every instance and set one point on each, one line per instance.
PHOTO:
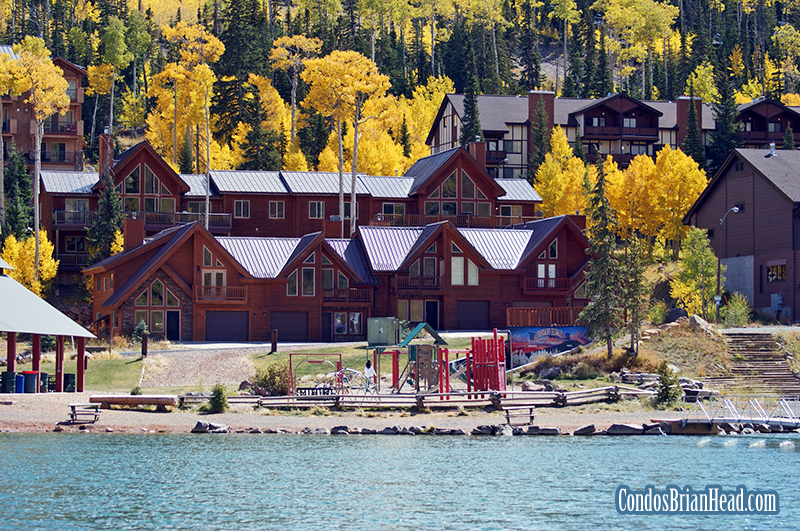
(420, 327)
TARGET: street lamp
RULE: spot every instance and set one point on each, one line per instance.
(718, 297)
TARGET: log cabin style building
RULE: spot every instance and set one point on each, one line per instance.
(760, 242)
(450, 186)
(188, 284)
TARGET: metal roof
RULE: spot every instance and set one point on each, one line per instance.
(7, 49)
(197, 184)
(426, 167)
(387, 187)
(517, 190)
(5, 265)
(253, 182)
(352, 252)
(502, 248)
(319, 182)
(261, 257)
(782, 169)
(30, 314)
(495, 111)
(68, 182)
(387, 247)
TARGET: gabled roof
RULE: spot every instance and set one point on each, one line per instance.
(387, 187)
(502, 248)
(766, 101)
(387, 247)
(591, 104)
(424, 240)
(197, 185)
(518, 190)
(426, 167)
(68, 182)
(669, 115)
(136, 150)
(543, 231)
(69, 65)
(261, 257)
(352, 252)
(495, 111)
(251, 182)
(319, 182)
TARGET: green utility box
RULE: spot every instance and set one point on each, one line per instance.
(383, 331)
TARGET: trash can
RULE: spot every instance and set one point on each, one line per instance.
(43, 382)
(20, 384)
(30, 378)
(7, 382)
(69, 383)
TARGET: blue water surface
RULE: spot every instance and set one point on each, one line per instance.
(84, 481)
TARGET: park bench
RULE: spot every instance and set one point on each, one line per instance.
(316, 393)
(160, 401)
(84, 410)
(519, 415)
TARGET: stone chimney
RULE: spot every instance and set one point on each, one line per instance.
(683, 116)
(132, 233)
(106, 154)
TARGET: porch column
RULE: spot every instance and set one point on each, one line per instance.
(36, 347)
(81, 364)
(59, 364)
(11, 359)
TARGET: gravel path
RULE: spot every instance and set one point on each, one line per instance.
(180, 368)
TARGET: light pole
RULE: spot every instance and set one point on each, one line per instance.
(718, 297)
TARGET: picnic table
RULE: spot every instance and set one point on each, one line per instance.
(84, 410)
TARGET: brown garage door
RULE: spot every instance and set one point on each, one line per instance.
(292, 327)
(473, 315)
(226, 326)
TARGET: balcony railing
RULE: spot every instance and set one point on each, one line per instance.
(566, 316)
(463, 220)
(623, 159)
(620, 131)
(60, 157)
(545, 285)
(419, 283)
(61, 128)
(152, 220)
(763, 136)
(347, 295)
(221, 293)
(72, 261)
(81, 219)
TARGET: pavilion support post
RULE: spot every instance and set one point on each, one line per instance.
(59, 364)
(36, 348)
(11, 359)
(81, 364)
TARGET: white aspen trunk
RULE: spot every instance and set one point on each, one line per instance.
(94, 122)
(111, 111)
(353, 173)
(433, 42)
(341, 174)
(208, 160)
(294, 98)
(2, 180)
(666, 68)
(175, 128)
(494, 49)
(37, 168)
(372, 38)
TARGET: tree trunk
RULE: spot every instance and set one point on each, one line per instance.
(37, 168)
(353, 207)
(650, 66)
(111, 111)
(208, 161)
(433, 42)
(2, 180)
(94, 122)
(341, 173)
(175, 128)
(294, 99)
(666, 72)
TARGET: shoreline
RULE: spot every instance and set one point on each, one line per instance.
(39, 413)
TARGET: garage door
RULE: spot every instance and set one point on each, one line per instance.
(292, 327)
(473, 315)
(226, 326)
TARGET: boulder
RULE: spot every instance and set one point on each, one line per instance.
(550, 373)
(458, 431)
(531, 386)
(483, 430)
(387, 431)
(505, 431)
(585, 430)
(532, 430)
(405, 431)
(245, 385)
(200, 427)
(549, 431)
(340, 430)
(624, 429)
(416, 430)
(254, 430)
(695, 321)
(441, 431)
(747, 431)
(674, 314)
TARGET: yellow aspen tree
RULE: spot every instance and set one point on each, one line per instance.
(20, 255)
(274, 111)
(13, 82)
(100, 77)
(290, 53)
(294, 160)
(47, 96)
(561, 177)
(684, 181)
(118, 245)
(631, 194)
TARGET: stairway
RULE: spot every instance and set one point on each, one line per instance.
(757, 366)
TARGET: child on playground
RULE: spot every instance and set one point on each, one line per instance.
(369, 372)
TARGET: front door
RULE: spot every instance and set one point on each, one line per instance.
(327, 327)
(432, 314)
(173, 325)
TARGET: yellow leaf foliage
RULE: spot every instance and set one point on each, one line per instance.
(294, 160)
(277, 115)
(791, 99)
(100, 77)
(562, 179)
(118, 245)
(631, 194)
(195, 44)
(703, 84)
(48, 88)
(20, 255)
(681, 183)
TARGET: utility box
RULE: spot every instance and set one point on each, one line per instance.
(776, 302)
(383, 331)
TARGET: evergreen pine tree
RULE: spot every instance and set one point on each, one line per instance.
(589, 70)
(454, 53)
(313, 137)
(725, 137)
(578, 149)
(263, 149)
(185, 157)
(17, 185)
(604, 84)
(692, 145)
(471, 121)
(788, 138)
(529, 54)
(404, 139)
(602, 316)
(540, 140)
(109, 220)
(568, 90)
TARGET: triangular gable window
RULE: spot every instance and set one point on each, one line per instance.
(206, 257)
(164, 190)
(172, 300)
(434, 194)
(543, 255)
(432, 248)
(454, 248)
(310, 260)
(141, 300)
(219, 264)
(467, 187)
(324, 260)
(450, 187)
(151, 183)
(480, 194)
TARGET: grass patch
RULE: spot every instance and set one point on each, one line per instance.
(791, 343)
(693, 351)
(118, 375)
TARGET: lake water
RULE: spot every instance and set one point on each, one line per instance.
(254, 482)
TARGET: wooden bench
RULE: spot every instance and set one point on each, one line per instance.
(160, 401)
(84, 410)
(316, 393)
(519, 413)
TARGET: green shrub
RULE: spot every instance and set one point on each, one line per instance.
(218, 403)
(139, 330)
(136, 390)
(48, 343)
(274, 378)
(737, 312)
(669, 388)
(584, 371)
(658, 312)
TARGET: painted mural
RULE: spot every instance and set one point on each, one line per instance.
(528, 343)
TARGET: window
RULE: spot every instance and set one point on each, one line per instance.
(157, 320)
(241, 209)
(76, 244)
(431, 208)
(141, 300)
(580, 292)
(140, 316)
(168, 205)
(172, 300)
(291, 284)
(746, 126)
(449, 208)
(131, 204)
(629, 122)
(402, 309)
(310, 259)
(157, 293)
(480, 194)
(467, 187)
(512, 146)
(111, 280)
(397, 209)
(132, 182)
(150, 204)
(164, 190)
(327, 278)
(105, 283)
(434, 194)
(213, 277)
(58, 151)
(347, 210)
(491, 145)
(316, 210)
(638, 149)
(511, 211)
(355, 322)
(429, 266)
(710, 233)
(774, 127)
(472, 273)
(206, 257)
(196, 207)
(76, 205)
(151, 184)
(553, 250)
(276, 209)
(776, 273)
(340, 323)
(454, 248)
(484, 210)
(598, 121)
(342, 281)
(431, 249)
(457, 270)
(450, 187)
(468, 208)
(738, 166)
(308, 281)
(416, 311)
(414, 269)
(324, 260)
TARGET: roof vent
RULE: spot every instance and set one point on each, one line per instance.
(772, 149)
